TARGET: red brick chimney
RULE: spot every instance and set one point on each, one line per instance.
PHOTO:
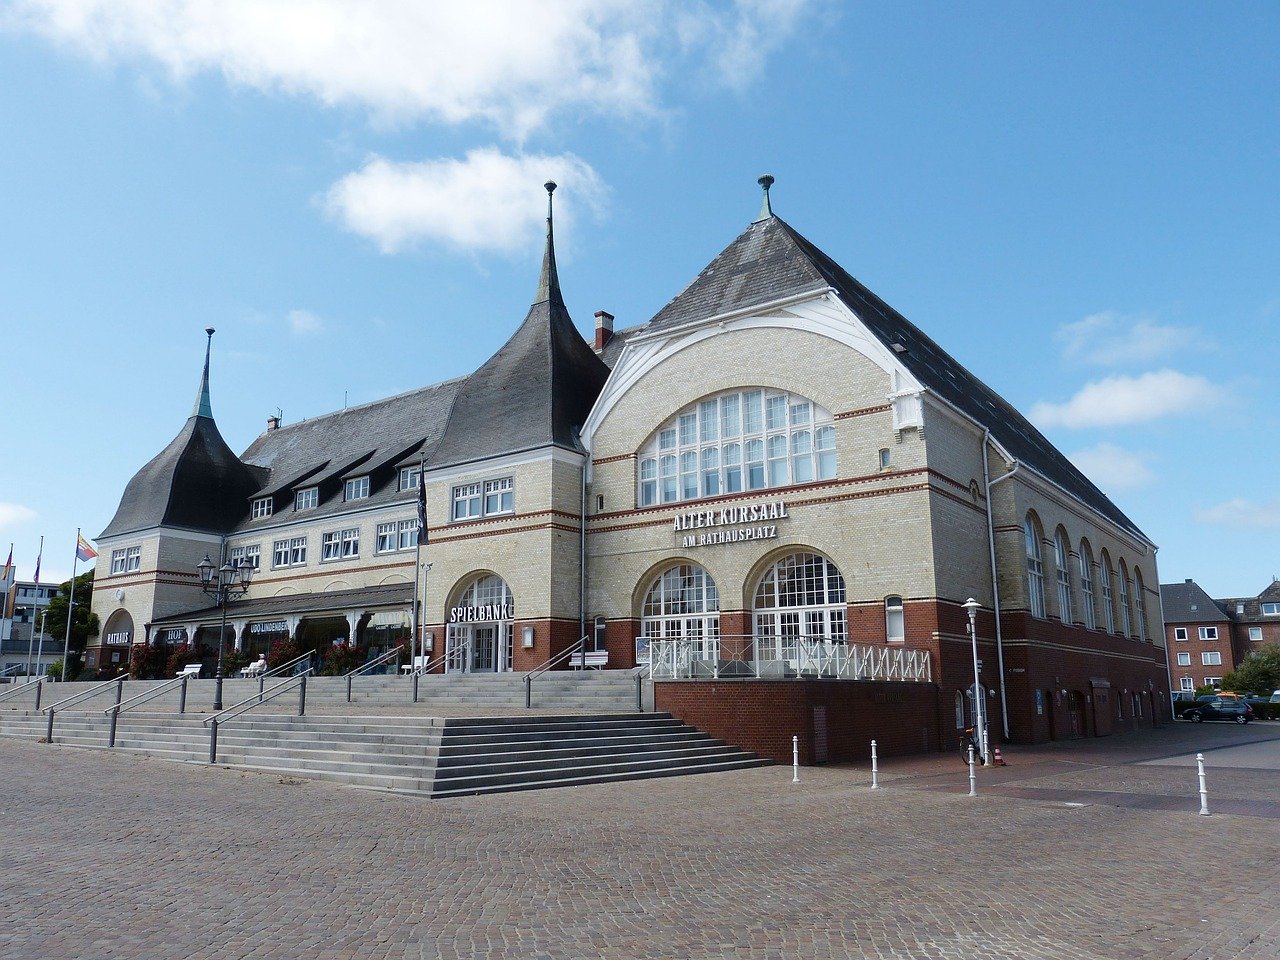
(604, 329)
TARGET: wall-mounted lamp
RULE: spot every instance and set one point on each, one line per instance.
(527, 638)
(428, 641)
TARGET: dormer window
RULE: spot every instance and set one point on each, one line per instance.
(261, 508)
(357, 488)
(410, 477)
(307, 498)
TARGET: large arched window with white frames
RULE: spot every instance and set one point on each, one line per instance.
(800, 598)
(682, 604)
(1126, 618)
(1035, 566)
(1086, 586)
(1105, 577)
(1140, 601)
(1061, 557)
(733, 442)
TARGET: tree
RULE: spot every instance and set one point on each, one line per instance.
(1259, 673)
(84, 623)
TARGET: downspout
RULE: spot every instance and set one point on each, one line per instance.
(582, 545)
(995, 578)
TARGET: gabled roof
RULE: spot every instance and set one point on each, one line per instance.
(195, 483)
(770, 261)
(1252, 606)
(536, 391)
(1186, 602)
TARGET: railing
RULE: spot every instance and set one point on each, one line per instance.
(450, 653)
(89, 694)
(18, 688)
(276, 671)
(118, 708)
(244, 706)
(773, 657)
(639, 675)
(561, 657)
(392, 654)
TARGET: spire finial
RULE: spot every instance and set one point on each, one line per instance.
(203, 407)
(766, 211)
(549, 281)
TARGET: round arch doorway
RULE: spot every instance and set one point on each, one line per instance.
(478, 635)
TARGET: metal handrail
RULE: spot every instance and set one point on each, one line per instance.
(276, 671)
(566, 653)
(427, 667)
(776, 656)
(116, 709)
(93, 691)
(244, 706)
(393, 652)
(23, 687)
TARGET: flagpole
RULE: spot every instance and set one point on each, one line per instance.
(71, 602)
(10, 586)
(417, 570)
(31, 641)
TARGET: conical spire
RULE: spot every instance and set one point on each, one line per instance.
(766, 211)
(549, 282)
(203, 407)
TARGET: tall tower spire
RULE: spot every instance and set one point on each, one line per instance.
(203, 407)
(549, 282)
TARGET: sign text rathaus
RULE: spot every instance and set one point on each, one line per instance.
(735, 523)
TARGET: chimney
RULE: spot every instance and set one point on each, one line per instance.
(604, 329)
(1189, 580)
(273, 423)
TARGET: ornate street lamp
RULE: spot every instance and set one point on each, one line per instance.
(231, 582)
(972, 607)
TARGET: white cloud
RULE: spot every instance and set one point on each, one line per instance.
(1112, 467)
(303, 322)
(1242, 514)
(12, 514)
(510, 63)
(488, 200)
(1110, 338)
(1121, 400)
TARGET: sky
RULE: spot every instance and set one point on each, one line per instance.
(1078, 201)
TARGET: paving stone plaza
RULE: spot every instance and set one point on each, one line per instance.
(1074, 850)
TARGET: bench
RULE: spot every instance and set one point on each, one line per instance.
(591, 659)
(255, 669)
(191, 670)
(418, 664)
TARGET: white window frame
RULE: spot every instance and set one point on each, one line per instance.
(499, 496)
(1108, 599)
(1126, 616)
(1208, 633)
(289, 552)
(1035, 567)
(356, 488)
(1140, 603)
(1184, 659)
(1214, 682)
(1271, 609)
(895, 620)
(468, 502)
(1211, 658)
(126, 560)
(261, 507)
(1188, 684)
(117, 562)
(250, 553)
(1180, 633)
(407, 534)
(340, 544)
(308, 498)
(1255, 633)
(1086, 586)
(1061, 560)
(410, 478)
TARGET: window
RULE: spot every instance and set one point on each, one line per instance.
(1208, 633)
(499, 496)
(1211, 658)
(340, 544)
(1108, 600)
(748, 440)
(466, 501)
(1271, 609)
(251, 554)
(357, 488)
(410, 477)
(1126, 619)
(1255, 633)
(127, 560)
(396, 535)
(407, 534)
(1184, 659)
(1086, 585)
(894, 624)
(1060, 559)
(1140, 602)
(261, 508)
(1186, 683)
(884, 458)
(1179, 633)
(1035, 568)
(289, 553)
(306, 499)
(802, 595)
(682, 604)
(1214, 682)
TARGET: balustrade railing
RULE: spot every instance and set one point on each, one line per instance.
(770, 657)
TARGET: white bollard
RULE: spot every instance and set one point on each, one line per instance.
(795, 759)
(874, 784)
(1204, 794)
(973, 777)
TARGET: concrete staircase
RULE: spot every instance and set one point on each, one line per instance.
(430, 756)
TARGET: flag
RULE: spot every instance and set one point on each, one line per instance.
(84, 551)
(422, 504)
(11, 589)
(36, 578)
(7, 575)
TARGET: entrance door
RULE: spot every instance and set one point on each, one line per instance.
(484, 648)
(1075, 706)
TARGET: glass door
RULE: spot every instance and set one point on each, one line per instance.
(484, 648)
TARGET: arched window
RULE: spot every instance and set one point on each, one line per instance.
(895, 627)
(1126, 617)
(746, 440)
(683, 604)
(478, 636)
(1061, 559)
(800, 599)
(1140, 601)
(1086, 586)
(1035, 566)
(1105, 576)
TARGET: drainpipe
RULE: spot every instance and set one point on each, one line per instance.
(582, 546)
(995, 578)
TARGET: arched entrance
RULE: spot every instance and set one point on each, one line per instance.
(799, 607)
(681, 605)
(478, 635)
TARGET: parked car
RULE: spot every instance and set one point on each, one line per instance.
(1219, 708)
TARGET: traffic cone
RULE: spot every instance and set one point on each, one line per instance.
(998, 759)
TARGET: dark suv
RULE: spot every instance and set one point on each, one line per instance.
(1219, 708)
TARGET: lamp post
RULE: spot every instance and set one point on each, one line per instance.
(231, 581)
(972, 607)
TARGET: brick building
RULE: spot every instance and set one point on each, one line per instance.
(777, 469)
(1207, 638)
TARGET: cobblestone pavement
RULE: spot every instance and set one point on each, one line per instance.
(124, 857)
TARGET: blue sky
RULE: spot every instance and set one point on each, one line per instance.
(1078, 201)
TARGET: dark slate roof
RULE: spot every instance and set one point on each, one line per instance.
(336, 601)
(770, 261)
(1252, 612)
(613, 349)
(1187, 603)
(536, 391)
(196, 482)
